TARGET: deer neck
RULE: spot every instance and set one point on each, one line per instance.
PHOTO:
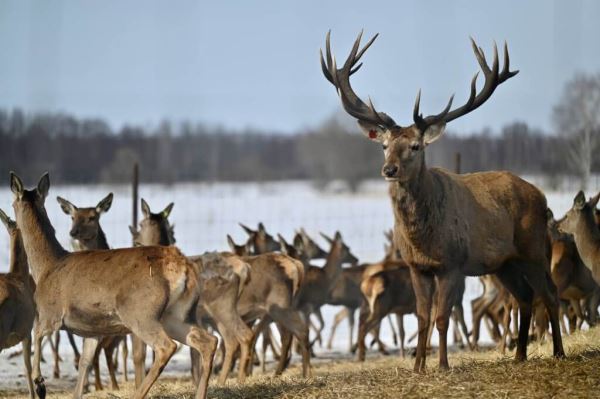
(18, 257)
(39, 240)
(98, 242)
(333, 264)
(587, 240)
(418, 210)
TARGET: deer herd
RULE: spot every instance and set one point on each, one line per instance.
(535, 271)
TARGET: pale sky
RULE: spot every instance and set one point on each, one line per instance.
(255, 63)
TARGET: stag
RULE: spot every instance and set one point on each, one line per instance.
(147, 291)
(449, 225)
(17, 308)
(87, 234)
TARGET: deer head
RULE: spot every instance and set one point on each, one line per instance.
(239, 250)
(308, 246)
(581, 215)
(262, 241)
(404, 146)
(155, 228)
(29, 201)
(85, 221)
(340, 248)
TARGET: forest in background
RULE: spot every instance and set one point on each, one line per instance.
(89, 151)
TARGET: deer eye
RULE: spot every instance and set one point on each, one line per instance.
(384, 147)
(415, 147)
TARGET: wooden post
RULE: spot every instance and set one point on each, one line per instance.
(134, 187)
(457, 162)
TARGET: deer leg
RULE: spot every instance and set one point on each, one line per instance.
(290, 320)
(109, 351)
(56, 372)
(26, 344)
(351, 327)
(366, 323)
(321, 327)
(196, 338)
(230, 343)
(423, 284)
(96, 364)
(339, 316)
(38, 336)
(394, 332)
(139, 360)
(286, 340)
(562, 313)
(448, 284)
(71, 339)
(512, 278)
(124, 354)
(85, 364)
(255, 332)
(401, 333)
(506, 328)
(578, 312)
(460, 319)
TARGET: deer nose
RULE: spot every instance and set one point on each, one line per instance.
(390, 170)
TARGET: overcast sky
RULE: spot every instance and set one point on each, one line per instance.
(255, 63)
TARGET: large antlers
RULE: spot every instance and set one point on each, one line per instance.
(492, 79)
(340, 78)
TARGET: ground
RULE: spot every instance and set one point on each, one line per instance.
(472, 374)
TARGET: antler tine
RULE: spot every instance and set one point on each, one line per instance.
(492, 79)
(421, 122)
(340, 78)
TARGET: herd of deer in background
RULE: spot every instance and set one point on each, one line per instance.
(447, 226)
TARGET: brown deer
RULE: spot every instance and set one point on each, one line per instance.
(147, 291)
(581, 223)
(87, 234)
(573, 280)
(449, 225)
(387, 291)
(17, 308)
(221, 292)
(275, 281)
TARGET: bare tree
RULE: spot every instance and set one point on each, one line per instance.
(578, 115)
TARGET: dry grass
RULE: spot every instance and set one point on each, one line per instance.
(483, 374)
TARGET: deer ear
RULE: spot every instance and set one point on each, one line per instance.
(594, 201)
(231, 243)
(145, 208)
(104, 205)
(373, 132)
(549, 214)
(327, 238)
(167, 211)
(5, 219)
(44, 185)
(579, 201)
(66, 206)
(247, 229)
(433, 133)
(16, 185)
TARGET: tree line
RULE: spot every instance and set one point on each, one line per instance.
(80, 150)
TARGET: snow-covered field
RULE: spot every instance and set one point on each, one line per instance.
(205, 213)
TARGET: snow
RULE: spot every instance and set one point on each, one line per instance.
(205, 213)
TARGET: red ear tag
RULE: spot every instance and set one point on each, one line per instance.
(372, 134)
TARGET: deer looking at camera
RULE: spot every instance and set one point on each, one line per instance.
(87, 234)
(147, 291)
(17, 309)
(449, 225)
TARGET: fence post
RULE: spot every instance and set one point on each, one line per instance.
(457, 162)
(135, 183)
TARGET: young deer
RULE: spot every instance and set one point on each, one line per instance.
(387, 291)
(17, 309)
(450, 225)
(148, 291)
(86, 235)
(228, 276)
(573, 279)
(581, 223)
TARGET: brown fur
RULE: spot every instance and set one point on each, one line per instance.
(17, 308)
(87, 234)
(149, 291)
(386, 291)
